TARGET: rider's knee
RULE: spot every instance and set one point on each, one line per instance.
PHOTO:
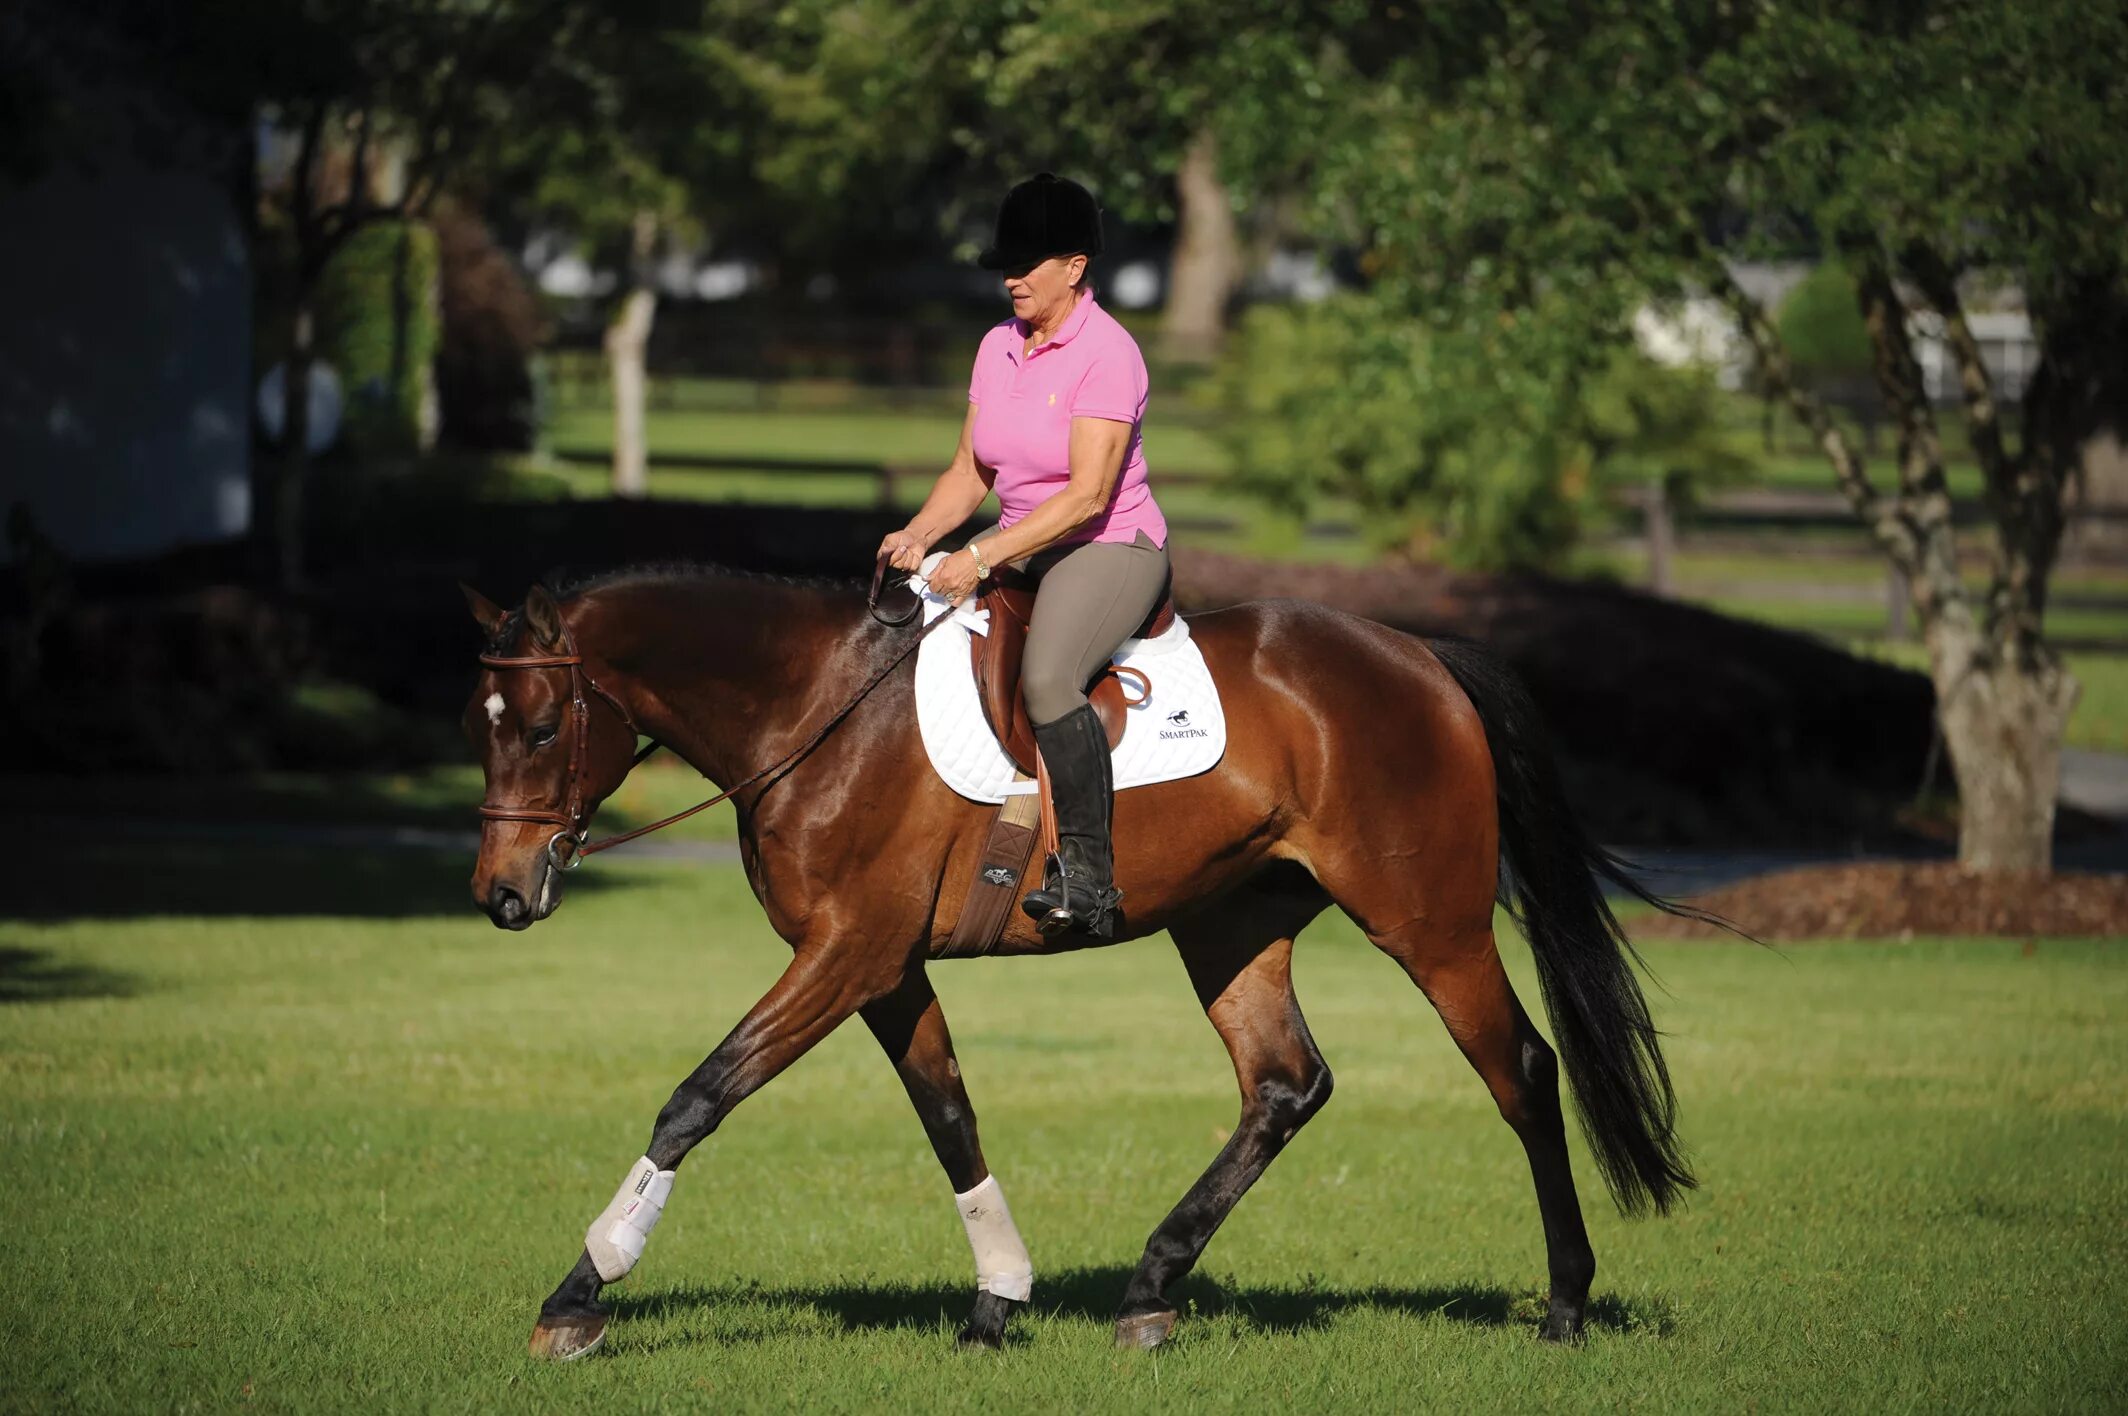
(1049, 691)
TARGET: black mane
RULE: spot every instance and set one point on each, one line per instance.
(570, 584)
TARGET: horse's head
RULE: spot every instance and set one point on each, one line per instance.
(552, 743)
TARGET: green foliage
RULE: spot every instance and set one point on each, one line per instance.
(862, 125)
(487, 373)
(1821, 325)
(1480, 151)
(1145, 77)
(1549, 165)
(1486, 461)
(1644, 421)
(379, 328)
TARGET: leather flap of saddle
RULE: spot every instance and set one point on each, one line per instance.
(996, 657)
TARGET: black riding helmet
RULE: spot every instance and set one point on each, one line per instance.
(1044, 216)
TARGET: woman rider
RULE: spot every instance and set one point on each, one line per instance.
(1055, 408)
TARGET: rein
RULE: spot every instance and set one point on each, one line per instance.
(575, 827)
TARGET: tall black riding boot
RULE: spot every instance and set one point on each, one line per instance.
(1079, 889)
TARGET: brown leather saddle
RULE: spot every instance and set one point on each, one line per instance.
(1010, 599)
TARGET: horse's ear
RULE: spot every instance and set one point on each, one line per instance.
(486, 612)
(544, 618)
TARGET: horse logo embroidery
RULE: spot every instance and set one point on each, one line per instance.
(1179, 727)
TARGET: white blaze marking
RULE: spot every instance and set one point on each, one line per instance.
(494, 707)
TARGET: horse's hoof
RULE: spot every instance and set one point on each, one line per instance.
(986, 1323)
(1145, 1330)
(1562, 1325)
(566, 1339)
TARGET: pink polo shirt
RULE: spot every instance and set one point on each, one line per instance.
(1024, 404)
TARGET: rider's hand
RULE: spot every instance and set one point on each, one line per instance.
(955, 577)
(903, 549)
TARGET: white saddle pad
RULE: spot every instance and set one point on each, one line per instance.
(1178, 731)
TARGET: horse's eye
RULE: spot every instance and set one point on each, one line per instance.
(540, 737)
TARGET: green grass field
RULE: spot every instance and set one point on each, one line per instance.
(921, 439)
(289, 1130)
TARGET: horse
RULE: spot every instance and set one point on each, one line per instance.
(1408, 782)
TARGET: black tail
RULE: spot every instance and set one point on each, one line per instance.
(1553, 886)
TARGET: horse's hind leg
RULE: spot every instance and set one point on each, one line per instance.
(1461, 974)
(1239, 954)
(911, 1026)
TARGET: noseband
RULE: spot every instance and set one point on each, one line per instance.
(575, 824)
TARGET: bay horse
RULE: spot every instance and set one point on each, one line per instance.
(1390, 776)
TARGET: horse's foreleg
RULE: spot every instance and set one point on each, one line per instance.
(816, 993)
(1240, 961)
(911, 1026)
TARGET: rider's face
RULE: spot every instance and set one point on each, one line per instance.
(1043, 292)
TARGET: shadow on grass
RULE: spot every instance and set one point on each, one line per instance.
(35, 976)
(1095, 1293)
(138, 879)
(434, 798)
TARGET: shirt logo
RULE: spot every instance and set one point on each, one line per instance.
(1052, 400)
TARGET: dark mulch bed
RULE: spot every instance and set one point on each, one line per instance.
(1899, 899)
(1675, 725)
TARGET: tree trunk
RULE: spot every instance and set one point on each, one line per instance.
(1661, 536)
(2098, 518)
(627, 364)
(1898, 604)
(2003, 724)
(1206, 264)
(2002, 699)
(284, 519)
(626, 340)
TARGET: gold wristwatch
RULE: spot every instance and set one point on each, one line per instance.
(982, 568)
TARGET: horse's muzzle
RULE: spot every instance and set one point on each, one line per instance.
(508, 909)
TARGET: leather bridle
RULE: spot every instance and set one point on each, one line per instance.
(571, 818)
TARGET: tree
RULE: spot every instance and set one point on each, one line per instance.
(1820, 324)
(1445, 453)
(1559, 161)
(861, 130)
(899, 119)
(1828, 346)
(379, 325)
(1165, 100)
(378, 104)
(602, 180)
